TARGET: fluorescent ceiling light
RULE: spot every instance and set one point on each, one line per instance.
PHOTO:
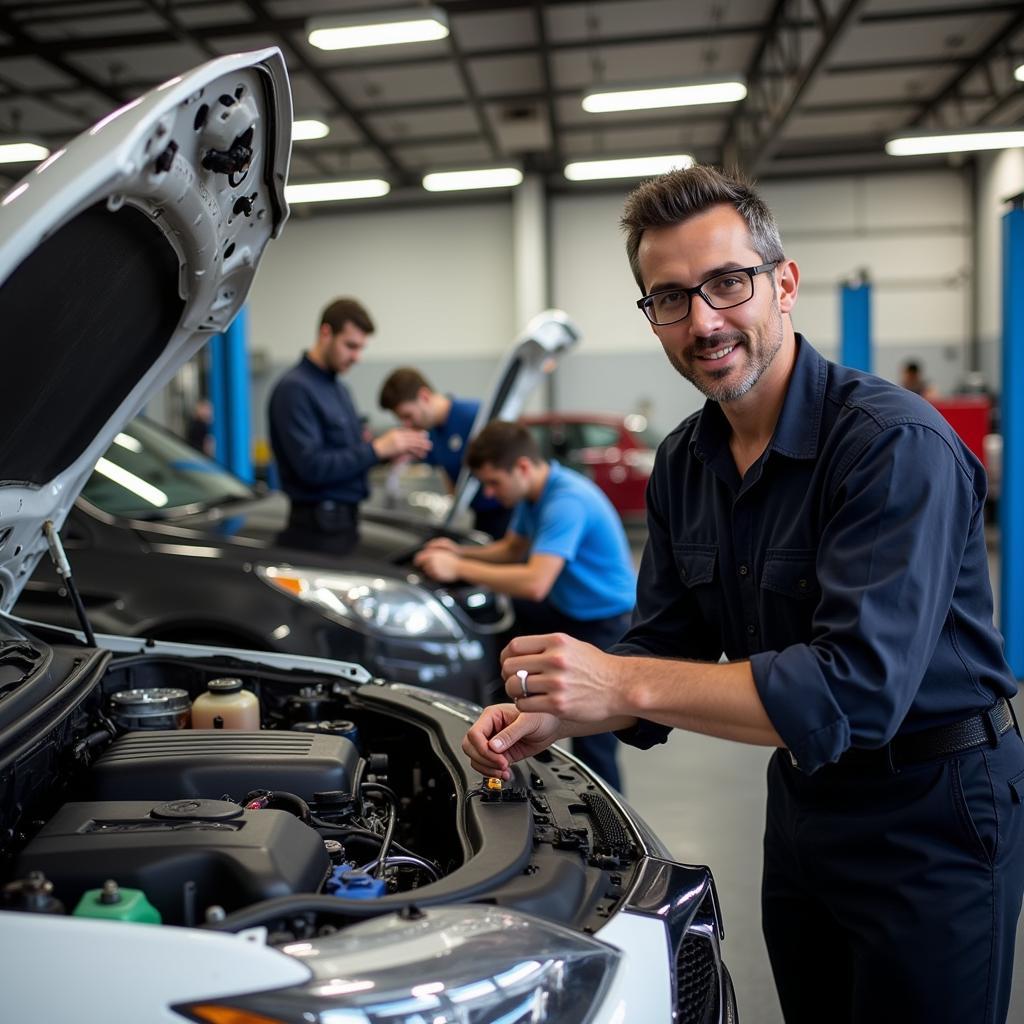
(490, 177)
(413, 25)
(332, 191)
(22, 152)
(671, 96)
(1019, 73)
(634, 167)
(961, 142)
(308, 129)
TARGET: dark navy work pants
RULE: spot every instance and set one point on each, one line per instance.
(532, 617)
(894, 895)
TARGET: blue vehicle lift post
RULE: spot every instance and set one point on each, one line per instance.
(229, 393)
(1011, 498)
(855, 337)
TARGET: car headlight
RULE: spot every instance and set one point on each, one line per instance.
(461, 965)
(387, 606)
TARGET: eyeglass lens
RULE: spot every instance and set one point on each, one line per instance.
(722, 292)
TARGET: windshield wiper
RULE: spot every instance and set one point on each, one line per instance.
(63, 567)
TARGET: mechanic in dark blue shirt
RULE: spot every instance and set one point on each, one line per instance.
(448, 422)
(322, 451)
(824, 530)
(564, 559)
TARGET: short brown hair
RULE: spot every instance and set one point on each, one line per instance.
(346, 311)
(502, 444)
(679, 195)
(402, 385)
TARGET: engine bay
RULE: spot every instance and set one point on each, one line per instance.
(345, 801)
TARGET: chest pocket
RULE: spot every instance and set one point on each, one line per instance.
(790, 572)
(695, 563)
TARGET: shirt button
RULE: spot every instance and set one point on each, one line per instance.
(744, 570)
(751, 628)
(802, 584)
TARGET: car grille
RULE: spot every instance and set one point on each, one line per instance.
(696, 981)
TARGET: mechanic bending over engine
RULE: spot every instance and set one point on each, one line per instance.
(448, 421)
(322, 451)
(823, 528)
(564, 560)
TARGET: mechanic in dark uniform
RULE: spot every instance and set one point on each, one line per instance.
(448, 422)
(824, 529)
(564, 559)
(322, 451)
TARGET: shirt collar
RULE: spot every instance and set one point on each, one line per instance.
(310, 365)
(796, 433)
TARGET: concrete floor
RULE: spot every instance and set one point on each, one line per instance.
(705, 798)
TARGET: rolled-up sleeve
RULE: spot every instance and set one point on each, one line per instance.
(890, 552)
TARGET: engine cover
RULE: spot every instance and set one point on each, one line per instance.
(214, 763)
(234, 857)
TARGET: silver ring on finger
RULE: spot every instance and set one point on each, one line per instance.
(522, 673)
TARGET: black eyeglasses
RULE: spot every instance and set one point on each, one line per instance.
(723, 291)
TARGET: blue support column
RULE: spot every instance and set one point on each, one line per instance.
(229, 392)
(855, 337)
(1011, 499)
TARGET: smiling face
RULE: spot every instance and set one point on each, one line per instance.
(722, 352)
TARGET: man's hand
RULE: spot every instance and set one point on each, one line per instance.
(438, 564)
(503, 735)
(441, 544)
(401, 441)
(565, 677)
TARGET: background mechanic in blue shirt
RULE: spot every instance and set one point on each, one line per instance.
(825, 530)
(564, 560)
(321, 449)
(448, 422)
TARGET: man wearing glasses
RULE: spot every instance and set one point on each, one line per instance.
(824, 529)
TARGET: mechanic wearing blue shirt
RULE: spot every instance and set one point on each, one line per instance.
(564, 559)
(321, 449)
(448, 422)
(824, 529)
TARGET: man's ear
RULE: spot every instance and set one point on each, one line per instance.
(424, 394)
(325, 334)
(789, 285)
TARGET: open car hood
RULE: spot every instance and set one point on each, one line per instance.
(119, 256)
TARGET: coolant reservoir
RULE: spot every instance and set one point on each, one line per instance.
(226, 705)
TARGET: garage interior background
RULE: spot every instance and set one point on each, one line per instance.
(452, 277)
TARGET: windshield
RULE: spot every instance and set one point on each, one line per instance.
(147, 473)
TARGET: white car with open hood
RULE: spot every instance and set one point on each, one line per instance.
(335, 860)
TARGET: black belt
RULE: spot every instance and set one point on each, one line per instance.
(986, 727)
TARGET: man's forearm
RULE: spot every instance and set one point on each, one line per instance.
(714, 699)
(515, 580)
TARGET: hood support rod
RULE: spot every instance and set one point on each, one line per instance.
(63, 567)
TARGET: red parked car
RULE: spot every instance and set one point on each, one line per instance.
(616, 452)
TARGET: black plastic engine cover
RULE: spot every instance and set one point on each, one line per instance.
(234, 859)
(213, 763)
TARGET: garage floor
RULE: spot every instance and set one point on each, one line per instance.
(670, 786)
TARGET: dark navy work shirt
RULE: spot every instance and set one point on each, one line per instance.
(317, 437)
(848, 564)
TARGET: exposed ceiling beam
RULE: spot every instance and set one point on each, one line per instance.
(472, 94)
(341, 105)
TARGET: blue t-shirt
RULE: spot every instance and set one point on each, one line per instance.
(574, 520)
(449, 442)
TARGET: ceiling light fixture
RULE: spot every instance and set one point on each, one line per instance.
(1018, 73)
(22, 152)
(690, 95)
(489, 177)
(633, 167)
(334, 191)
(954, 142)
(409, 25)
(303, 131)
